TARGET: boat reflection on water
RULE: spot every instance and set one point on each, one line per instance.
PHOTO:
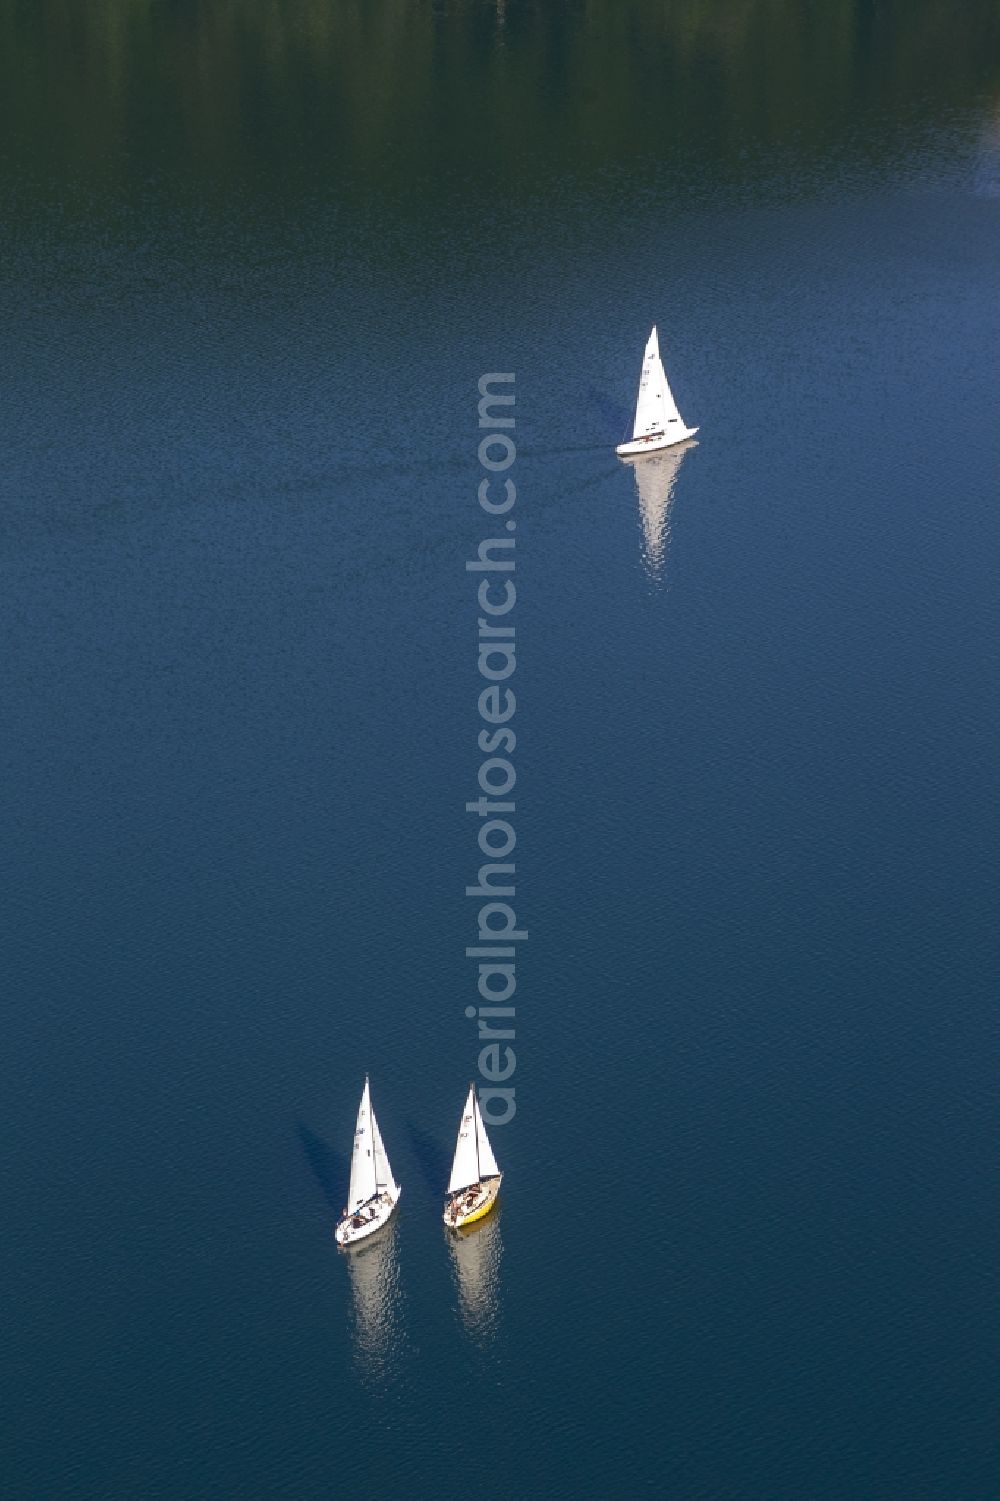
(373, 1267)
(475, 1258)
(655, 479)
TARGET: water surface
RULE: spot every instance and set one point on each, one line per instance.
(254, 260)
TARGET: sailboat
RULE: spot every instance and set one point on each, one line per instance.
(658, 423)
(373, 1193)
(475, 1177)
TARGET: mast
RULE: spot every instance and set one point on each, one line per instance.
(371, 1130)
(475, 1127)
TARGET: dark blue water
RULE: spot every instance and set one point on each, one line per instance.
(253, 265)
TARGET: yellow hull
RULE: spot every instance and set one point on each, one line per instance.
(478, 1212)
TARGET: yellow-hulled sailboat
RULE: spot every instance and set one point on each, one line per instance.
(475, 1177)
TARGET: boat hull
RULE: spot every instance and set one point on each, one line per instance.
(348, 1233)
(456, 1217)
(639, 447)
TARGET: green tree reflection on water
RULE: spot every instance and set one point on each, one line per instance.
(383, 95)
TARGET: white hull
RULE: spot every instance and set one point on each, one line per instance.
(370, 1218)
(639, 447)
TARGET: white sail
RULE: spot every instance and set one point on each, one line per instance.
(383, 1172)
(474, 1157)
(363, 1157)
(655, 409)
(487, 1162)
(465, 1168)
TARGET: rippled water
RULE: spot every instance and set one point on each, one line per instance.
(254, 260)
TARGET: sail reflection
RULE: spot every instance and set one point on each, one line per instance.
(475, 1258)
(373, 1268)
(655, 480)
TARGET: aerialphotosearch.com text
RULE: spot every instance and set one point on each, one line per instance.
(497, 931)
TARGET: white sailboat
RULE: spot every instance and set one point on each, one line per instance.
(373, 1193)
(475, 1177)
(658, 423)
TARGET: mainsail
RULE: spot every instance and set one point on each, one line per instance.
(362, 1186)
(474, 1157)
(656, 406)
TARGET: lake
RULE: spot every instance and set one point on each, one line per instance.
(254, 261)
